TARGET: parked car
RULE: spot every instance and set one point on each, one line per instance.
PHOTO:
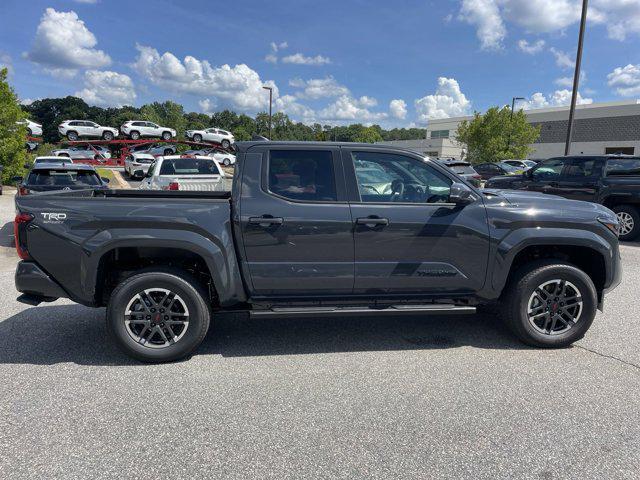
(225, 159)
(75, 129)
(490, 170)
(83, 152)
(611, 180)
(48, 177)
(463, 169)
(138, 162)
(155, 149)
(211, 135)
(33, 129)
(178, 172)
(136, 129)
(48, 159)
(521, 164)
(296, 237)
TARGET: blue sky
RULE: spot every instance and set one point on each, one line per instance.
(396, 63)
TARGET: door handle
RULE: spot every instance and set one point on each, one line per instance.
(372, 221)
(553, 184)
(265, 221)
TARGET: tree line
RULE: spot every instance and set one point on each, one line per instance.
(50, 112)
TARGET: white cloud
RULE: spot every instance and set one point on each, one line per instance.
(289, 104)
(238, 87)
(567, 82)
(300, 59)
(106, 88)
(490, 17)
(485, 15)
(448, 101)
(207, 106)
(6, 62)
(272, 57)
(318, 88)
(63, 44)
(531, 48)
(352, 109)
(398, 109)
(559, 98)
(563, 60)
(625, 80)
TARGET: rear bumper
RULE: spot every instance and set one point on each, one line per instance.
(31, 280)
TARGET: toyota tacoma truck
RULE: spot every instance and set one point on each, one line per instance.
(318, 229)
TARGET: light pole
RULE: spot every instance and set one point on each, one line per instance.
(270, 103)
(576, 76)
(513, 106)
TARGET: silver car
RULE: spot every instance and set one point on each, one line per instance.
(83, 152)
(225, 159)
(154, 149)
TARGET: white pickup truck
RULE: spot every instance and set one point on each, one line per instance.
(183, 172)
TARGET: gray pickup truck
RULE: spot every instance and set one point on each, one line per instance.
(318, 229)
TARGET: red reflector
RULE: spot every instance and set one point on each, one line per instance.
(21, 247)
(174, 186)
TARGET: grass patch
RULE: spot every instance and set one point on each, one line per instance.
(105, 173)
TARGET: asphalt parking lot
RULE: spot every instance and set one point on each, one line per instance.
(409, 397)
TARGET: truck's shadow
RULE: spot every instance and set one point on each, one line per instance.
(71, 333)
(6, 235)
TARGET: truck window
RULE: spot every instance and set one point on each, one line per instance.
(549, 169)
(623, 166)
(62, 178)
(189, 166)
(384, 177)
(305, 175)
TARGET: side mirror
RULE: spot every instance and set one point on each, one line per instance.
(105, 179)
(27, 165)
(16, 179)
(460, 194)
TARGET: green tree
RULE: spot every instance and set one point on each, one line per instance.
(12, 137)
(367, 134)
(497, 135)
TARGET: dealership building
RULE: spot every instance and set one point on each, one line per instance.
(599, 128)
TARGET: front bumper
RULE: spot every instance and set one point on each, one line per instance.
(32, 281)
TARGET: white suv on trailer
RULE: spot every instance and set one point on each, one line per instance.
(136, 129)
(33, 129)
(74, 129)
(211, 135)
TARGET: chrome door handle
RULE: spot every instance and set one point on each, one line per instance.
(372, 221)
(266, 221)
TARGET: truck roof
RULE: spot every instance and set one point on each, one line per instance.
(244, 146)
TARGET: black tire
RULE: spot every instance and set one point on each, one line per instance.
(166, 135)
(525, 282)
(186, 287)
(134, 135)
(197, 138)
(226, 162)
(628, 213)
(108, 136)
(66, 155)
(72, 136)
(167, 152)
(226, 143)
(29, 132)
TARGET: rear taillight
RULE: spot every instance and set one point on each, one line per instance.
(174, 186)
(19, 225)
(477, 177)
(23, 191)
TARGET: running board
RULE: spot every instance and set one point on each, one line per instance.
(337, 311)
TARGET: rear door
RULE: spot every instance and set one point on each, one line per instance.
(580, 179)
(295, 222)
(408, 238)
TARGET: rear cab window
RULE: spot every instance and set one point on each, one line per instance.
(189, 167)
(302, 175)
(63, 178)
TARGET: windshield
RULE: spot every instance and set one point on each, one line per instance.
(509, 168)
(189, 166)
(62, 178)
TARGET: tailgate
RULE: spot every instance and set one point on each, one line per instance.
(200, 183)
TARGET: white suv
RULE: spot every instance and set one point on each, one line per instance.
(141, 128)
(211, 135)
(74, 129)
(33, 129)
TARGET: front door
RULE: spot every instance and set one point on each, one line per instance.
(580, 179)
(408, 237)
(545, 177)
(296, 223)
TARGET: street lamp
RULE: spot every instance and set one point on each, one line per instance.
(270, 103)
(576, 76)
(513, 106)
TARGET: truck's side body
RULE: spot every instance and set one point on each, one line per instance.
(318, 251)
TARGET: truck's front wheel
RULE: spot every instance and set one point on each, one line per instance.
(550, 304)
(158, 316)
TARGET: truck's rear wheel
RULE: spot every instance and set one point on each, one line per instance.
(158, 316)
(550, 304)
(629, 219)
